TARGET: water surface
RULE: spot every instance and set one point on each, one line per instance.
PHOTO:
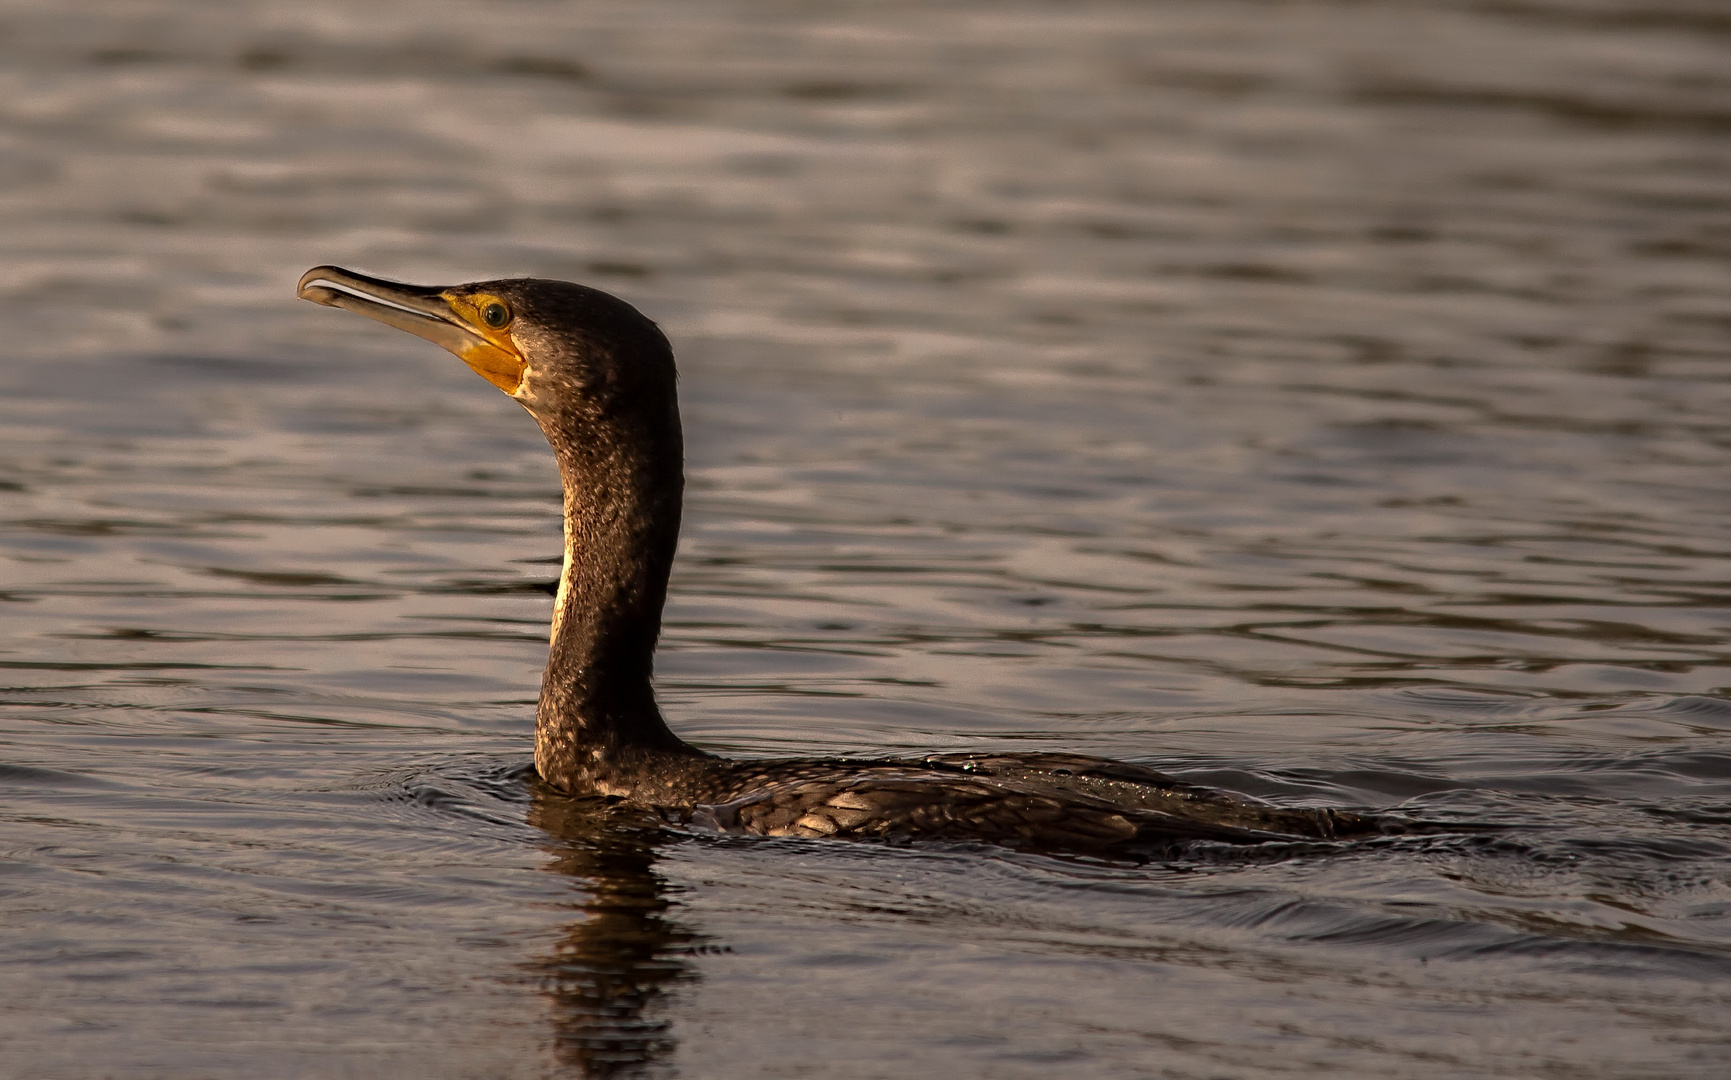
(1326, 401)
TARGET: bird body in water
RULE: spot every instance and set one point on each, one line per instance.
(598, 377)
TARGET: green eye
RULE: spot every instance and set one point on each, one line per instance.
(496, 315)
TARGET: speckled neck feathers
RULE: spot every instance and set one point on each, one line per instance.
(601, 386)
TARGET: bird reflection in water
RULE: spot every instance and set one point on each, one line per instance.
(609, 976)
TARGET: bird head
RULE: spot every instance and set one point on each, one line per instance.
(587, 365)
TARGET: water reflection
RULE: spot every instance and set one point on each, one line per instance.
(609, 976)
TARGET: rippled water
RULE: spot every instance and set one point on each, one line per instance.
(1327, 401)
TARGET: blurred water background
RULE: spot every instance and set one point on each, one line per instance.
(1326, 399)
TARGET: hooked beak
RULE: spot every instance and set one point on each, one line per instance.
(437, 314)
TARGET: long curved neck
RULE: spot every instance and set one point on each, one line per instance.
(597, 728)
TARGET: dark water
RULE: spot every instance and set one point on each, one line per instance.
(1328, 401)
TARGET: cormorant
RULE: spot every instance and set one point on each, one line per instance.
(598, 377)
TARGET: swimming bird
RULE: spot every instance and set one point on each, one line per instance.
(598, 377)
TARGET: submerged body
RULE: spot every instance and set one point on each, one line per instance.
(598, 377)
(1040, 800)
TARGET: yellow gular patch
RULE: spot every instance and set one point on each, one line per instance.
(493, 352)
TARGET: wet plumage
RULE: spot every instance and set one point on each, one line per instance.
(599, 379)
